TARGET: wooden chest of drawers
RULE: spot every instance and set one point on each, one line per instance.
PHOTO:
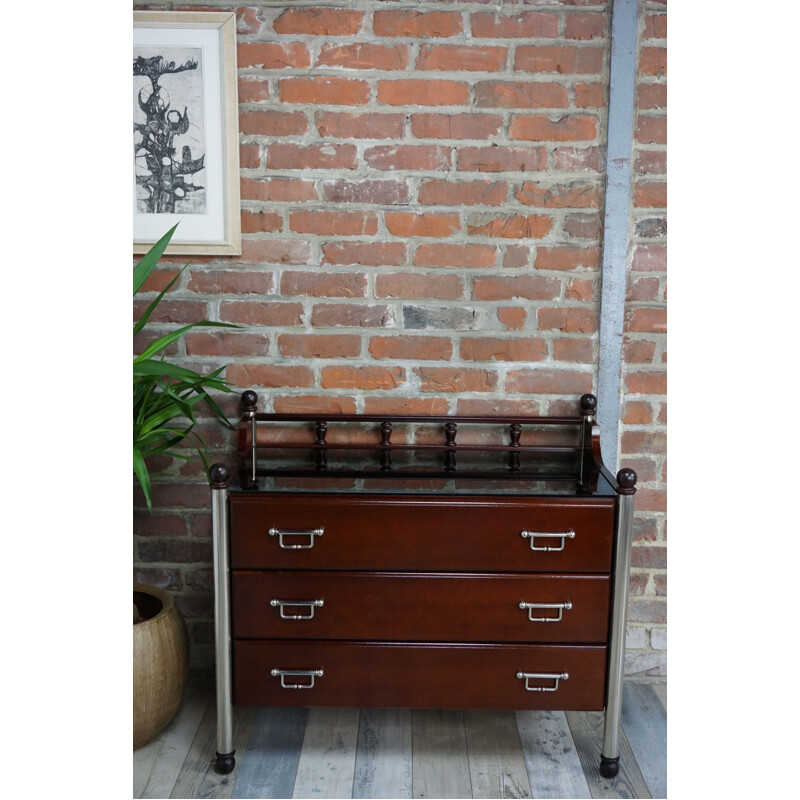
(425, 599)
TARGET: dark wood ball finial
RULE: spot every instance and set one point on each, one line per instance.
(626, 478)
(218, 474)
(588, 405)
(249, 401)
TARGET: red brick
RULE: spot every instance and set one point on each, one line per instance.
(562, 257)
(330, 91)
(512, 317)
(447, 379)
(318, 345)
(352, 315)
(637, 351)
(408, 157)
(406, 224)
(499, 408)
(502, 159)
(572, 159)
(583, 291)
(526, 287)
(651, 96)
(159, 280)
(229, 281)
(273, 251)
(516, 256)
(456, 57)
(651, 162)
(288, 190)
(247, 21)
(562, 59)
(249, 157)
(568, 319)
(455, 126)
(455, 255)
(519, 94)
(177, 311)
(158, 524)
(548, 381)
(650, 257)
(363, 55)
(272, 55)
(646, 320)
(590, 95)
(643, 289)
(423, 348)
(653, 61)
(648, 442)
(384, 193)
(313, 404)
(360, 126)
(261, 222)
(252, 312)
(414, 285)
(334, 223)
(660, 583)
(511, 226)
(436, 24)
(578, 351)
(373, 254)
(226, 343)
(423, 406)
(527, 25)
(655, 26)
(565, 195)
(648, 611)
(650, 194)
(655, 557)
(569, 128)
(271, 123)
(269, 375)
(423, 93)
(582, 226)
(319, 21)
(646, 383)
(315, 156)
(365, 378)
(585, 26)
(651, 130)
(467, 193)
(253, 89)
(488, 348)
(326, 284)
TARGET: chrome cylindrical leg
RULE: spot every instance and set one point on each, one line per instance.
(616, 657)
(222, 624)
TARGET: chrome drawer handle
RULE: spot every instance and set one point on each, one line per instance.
(543, 676)
(560, 606)
(309, 604)
(297, 673)
(311, 534)
(563, 535)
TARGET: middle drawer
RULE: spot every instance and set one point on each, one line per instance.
(390, 606)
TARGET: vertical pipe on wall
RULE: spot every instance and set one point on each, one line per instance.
(622, 79)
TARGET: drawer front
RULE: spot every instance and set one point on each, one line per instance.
(423, 607)
(366, 674)
(399, 533)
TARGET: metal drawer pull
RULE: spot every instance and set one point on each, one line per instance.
(311, 534)
(563, 535)
(530, 606)
(309, 604)
(300, 673)
(544, 676)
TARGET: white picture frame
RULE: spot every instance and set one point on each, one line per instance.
(185, 132)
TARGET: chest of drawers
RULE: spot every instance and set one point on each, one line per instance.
(426, 585)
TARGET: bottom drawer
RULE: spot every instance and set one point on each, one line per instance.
(397, 675)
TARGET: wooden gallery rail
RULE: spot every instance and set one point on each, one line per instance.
(423, 562)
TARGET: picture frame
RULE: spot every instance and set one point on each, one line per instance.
(186, 133)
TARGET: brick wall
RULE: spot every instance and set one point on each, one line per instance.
(422, 189)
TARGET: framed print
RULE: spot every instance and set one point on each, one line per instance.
(185, 132)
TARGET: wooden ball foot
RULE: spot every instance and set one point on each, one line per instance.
(609, 767)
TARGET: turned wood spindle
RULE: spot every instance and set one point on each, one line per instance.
(322, 455)
(386, 456)
(513, 458)
(450, 456)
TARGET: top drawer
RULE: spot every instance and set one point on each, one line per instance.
(391, 532)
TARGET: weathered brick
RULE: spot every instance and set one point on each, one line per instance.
(519, 94)
(363, 377)
(252, 89)
(261, 222)
(646, 319)
(569, 128)
(423, 348)
(406, 224)
(384, 193)
(255, 312)
(319, 21)
(249, 157)
(363, 55)
(373, 254)
(271, 123)
(569, 195)
(423, 406)
(651, 130)
(269, 375)
(567, 319)
(455, 57)
(648, 442)
(527, 25)
(651, 162)
(582, 290)
(226, 343)
(274, 251)
(502, 159)
(646, 383)
(455, 255)
(637, 351)
(313, 404)
(563, 257)
(653, 61)
(448, 379)
(548, 381)
(583, 226)
(329, 284)
(650, 258)
(526, 287)
(590, 95)
(456, 318)
(423, 93)
(455, 126)
(414, 285)
(230, 281)
(512, 317)
(651, 96)
(407, 157)
(331, 91)
(289, 190)
(650, 194)
(567, 59)
(489, 348)
(572, 159)
(651, 227)
(638, 412)
(313, 156)
(317, 345)
(177, 311)
(579, 351)
(350, 315)
(589, 25)
(510, 226)
(468, 193)
(643, 289)
(655, 26)
(334, 223)
(496, 407)
(344, 125)
(272, 55)
(516, 256)
(435, 24)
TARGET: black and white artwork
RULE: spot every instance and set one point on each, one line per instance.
(168, 130)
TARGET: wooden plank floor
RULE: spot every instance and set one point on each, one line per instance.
(400, 753)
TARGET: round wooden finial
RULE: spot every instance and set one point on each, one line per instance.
(626, 478)
(588, 405)
(218, 474)
(249, 400)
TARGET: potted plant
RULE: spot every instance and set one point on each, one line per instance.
(164, 399)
